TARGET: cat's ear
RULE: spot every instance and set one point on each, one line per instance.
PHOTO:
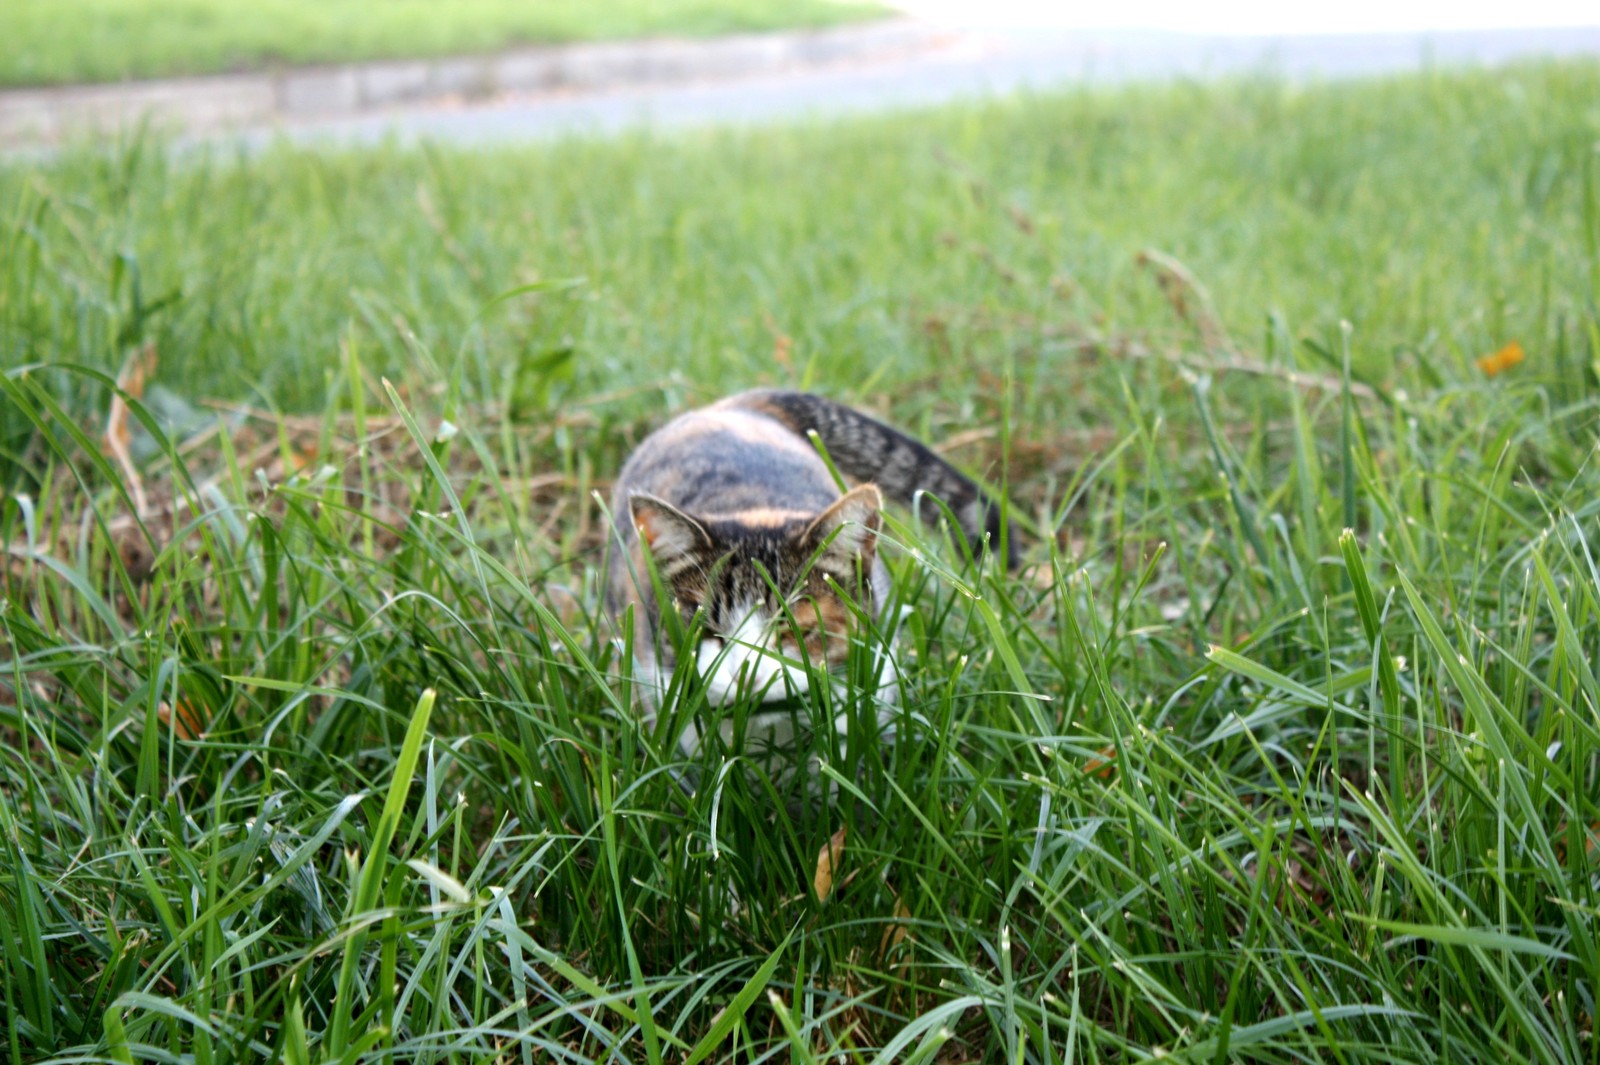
(676, 541)
(853, 522)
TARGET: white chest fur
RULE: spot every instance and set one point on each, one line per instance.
(747, 667)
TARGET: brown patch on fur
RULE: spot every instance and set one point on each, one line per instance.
(761, 517)
(824, 624)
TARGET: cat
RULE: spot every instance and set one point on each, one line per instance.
(744, 523)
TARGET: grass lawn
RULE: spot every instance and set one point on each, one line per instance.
(1284, 747)
(51, 42)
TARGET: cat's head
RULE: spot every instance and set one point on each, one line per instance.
(774, 587)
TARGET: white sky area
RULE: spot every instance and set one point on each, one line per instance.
(1247, 17)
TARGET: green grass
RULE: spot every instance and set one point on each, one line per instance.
(333, 759)
(53, 42)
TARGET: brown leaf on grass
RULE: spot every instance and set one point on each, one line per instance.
(956, 441)
(1103, 765)
(287, 463)
(1589, 842)
(897, 929)
(188, 722)
(1502, 360)
(782, 343)
(1186, 296)
(828, 859)
(131, 380)
(782, 350)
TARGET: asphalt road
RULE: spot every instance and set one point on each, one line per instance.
(963, 63)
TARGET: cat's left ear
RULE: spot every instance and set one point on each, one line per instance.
(856, 517)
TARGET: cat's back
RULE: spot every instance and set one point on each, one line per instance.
(723, 460)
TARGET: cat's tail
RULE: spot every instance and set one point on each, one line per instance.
(865, 449)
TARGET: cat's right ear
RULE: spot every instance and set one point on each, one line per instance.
(676, 541)
(853, 522)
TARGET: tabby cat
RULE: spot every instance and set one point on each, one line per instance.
(744, 522)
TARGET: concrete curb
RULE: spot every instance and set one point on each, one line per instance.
(229, 102)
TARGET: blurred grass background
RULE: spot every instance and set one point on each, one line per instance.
(1439, 215)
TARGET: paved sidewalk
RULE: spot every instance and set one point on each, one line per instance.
(606, 88)
(960, 64)
(308, 95)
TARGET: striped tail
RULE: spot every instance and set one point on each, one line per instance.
(865, 449)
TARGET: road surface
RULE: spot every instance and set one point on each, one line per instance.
(962, 62)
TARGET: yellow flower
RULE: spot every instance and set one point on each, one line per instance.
(1502, 360)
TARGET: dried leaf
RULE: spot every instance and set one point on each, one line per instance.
(1502, 360)
(130, 381)
(1589, 843)
(828, 864)
(960, 440)
(1102, 765)
(447, 885)
(188, 722)
(1189, 300)
(782, 343)
(898, 929)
